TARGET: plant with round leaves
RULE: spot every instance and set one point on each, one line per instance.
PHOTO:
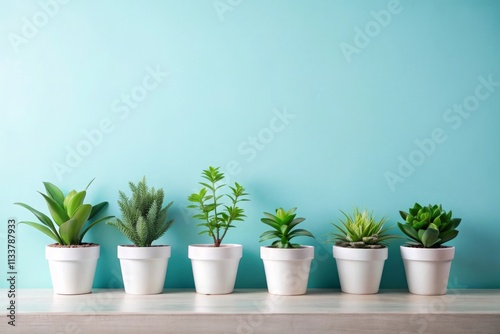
(361, 230)
(283, 223)
(144, 219)
(217, 217)
(429, 226)
(69, 215)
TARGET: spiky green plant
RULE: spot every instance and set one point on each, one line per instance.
(284, 223)
(217, 217)
(429, 226)
(144, 219)
(361, 230)
(69, 215)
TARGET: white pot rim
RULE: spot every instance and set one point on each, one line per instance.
(72, 253)
(446, 253)
(82, 245)
(132, 252)
(287, 254)
(209, 252)
(212, 245)
(360, 254)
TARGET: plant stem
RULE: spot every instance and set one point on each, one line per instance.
(230, 218)
(202, 207)
(217, 240)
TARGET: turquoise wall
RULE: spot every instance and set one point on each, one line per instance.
(322, 105)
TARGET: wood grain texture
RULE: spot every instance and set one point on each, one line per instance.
(256, 311)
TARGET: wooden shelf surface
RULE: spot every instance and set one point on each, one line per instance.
(255, 311)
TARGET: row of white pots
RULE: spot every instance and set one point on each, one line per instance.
(427, 269)
(144, 268)
(215, 268)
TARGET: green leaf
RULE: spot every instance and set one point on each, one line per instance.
(44, 230)
(414, 210)
(429, 237)
(300, 233)
(70, 230)
(269, 235)
(272, 232)
(88, 185)
(195, 198)
(341, 230)
(434, 226)
(456, 222)
(448, 216)
(82, 214)
(55, 193)
(97, 208)
(436, 213)
(269, 215)
(295, 222)
(425, 216)
(284, 229)
(420, 224)
(447, 236)
(409, 231)
(80, 238)
(271, 223)
(44, 219)
(75, 202)
(68, 198)
(58, 213)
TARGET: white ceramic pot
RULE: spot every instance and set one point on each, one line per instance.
(360, 269)
(287, 269)
(143, 268)
(72, 269)
(427, 269)
(215, 268)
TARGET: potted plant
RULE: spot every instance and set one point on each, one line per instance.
(360, 251)
(72, 262)
(143, 265)
(215, 265)
(427, 262)
(286, 264)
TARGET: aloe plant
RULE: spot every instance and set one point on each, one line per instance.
(283, 223)
(217, 217)
(69, 215)
(361, 230)
(144, 219)
(429, 226)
